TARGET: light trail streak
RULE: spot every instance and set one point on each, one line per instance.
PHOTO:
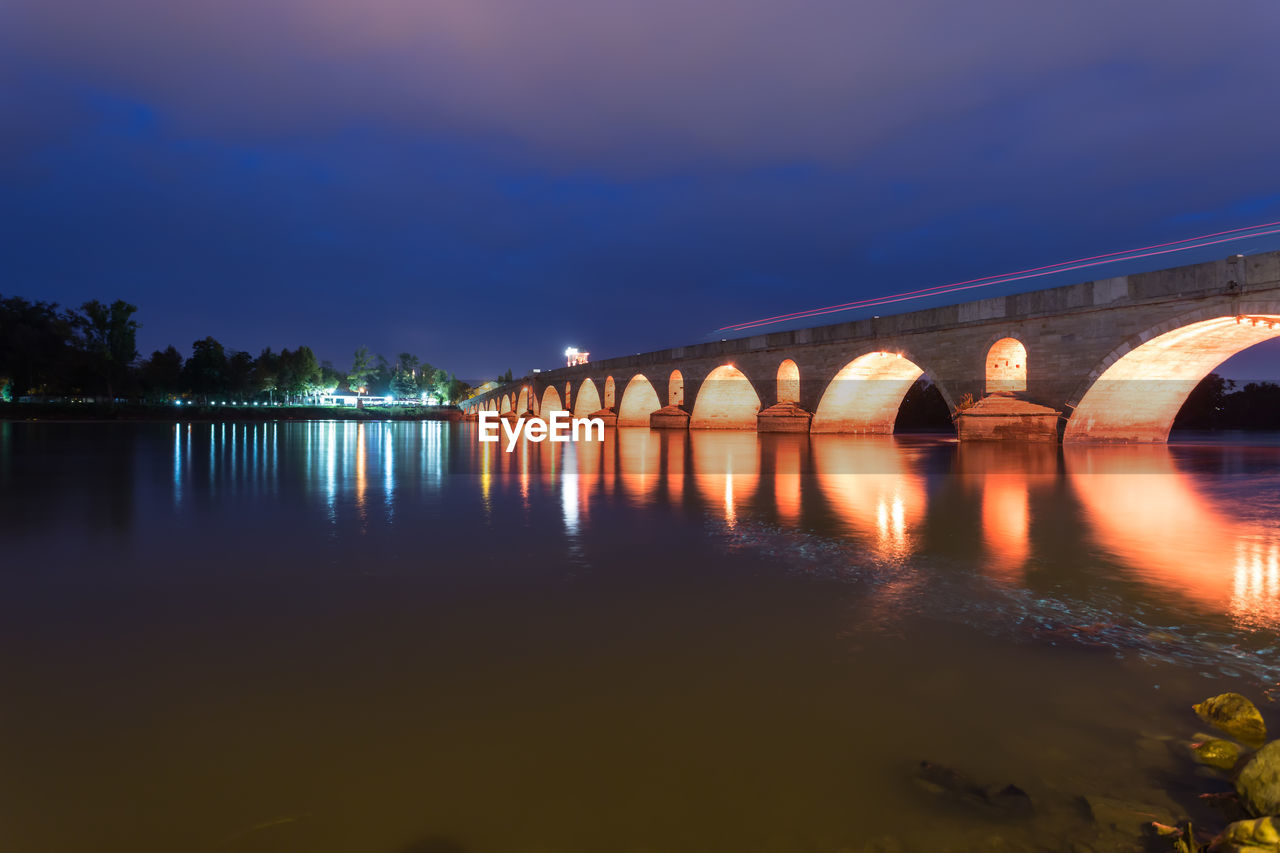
(1020, 275)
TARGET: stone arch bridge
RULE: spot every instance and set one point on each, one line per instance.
(1103, 361)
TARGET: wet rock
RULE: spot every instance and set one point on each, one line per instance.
(961, 788)
(1235, 715)
(1215, 752)
(1249, 836)
(1259, 782)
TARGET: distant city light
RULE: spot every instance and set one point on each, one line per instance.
(573, 357)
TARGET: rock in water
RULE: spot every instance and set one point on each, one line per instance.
(939, 779)
(1215, 752)
(1235, 715)
(1259, 781)
(1249, 836)
(1124, 818)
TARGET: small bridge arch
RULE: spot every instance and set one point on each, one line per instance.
(1006, 366)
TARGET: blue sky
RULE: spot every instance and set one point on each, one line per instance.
(485, 183)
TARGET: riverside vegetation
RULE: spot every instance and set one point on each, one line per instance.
(49, 355)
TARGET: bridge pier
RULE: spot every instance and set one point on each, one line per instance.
(669, 417)
(609, 416)
(784, 417)
(1004, 416)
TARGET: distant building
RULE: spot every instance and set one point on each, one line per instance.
(573, 357)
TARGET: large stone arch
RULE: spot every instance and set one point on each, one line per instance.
(639, 400)
(1136, 392)
(506, 403)
(726, 400)
(551, 401)
(588, 401)
(864, 396)
(522, 402)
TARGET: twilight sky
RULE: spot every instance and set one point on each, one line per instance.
(483, 183)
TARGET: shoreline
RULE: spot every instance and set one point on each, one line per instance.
(137, 413)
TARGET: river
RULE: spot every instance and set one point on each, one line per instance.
(390, 637)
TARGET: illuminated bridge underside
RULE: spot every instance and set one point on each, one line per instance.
(1102, 361)
(1137, 397)
(865, 395)
(726, 401)
(639, 400)
(588, 401)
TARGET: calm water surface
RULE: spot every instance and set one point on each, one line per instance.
(386, 637)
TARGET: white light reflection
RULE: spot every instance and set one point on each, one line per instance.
(177, 464)
(569, 490)
(388, 475)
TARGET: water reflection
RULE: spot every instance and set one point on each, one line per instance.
(726, 469)
(1004, 476)
(1195, 527)
(1149, 514)
(872, 488)
(784, 458)
(639, 462)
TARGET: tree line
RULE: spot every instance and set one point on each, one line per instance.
(91, 352)
(1219, 403)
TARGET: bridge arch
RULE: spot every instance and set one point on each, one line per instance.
(639, 400)
(788, 382)
(1136, 392)
(506, 404)
(550, 401)
(675, 389)
(726, 400)
(588, 401)
(1006, 366)
(864, 396)
(522, 402)
(568, 397)
(610, 393)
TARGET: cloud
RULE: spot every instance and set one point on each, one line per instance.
(643, 84)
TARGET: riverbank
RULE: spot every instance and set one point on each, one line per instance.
(213, 414)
